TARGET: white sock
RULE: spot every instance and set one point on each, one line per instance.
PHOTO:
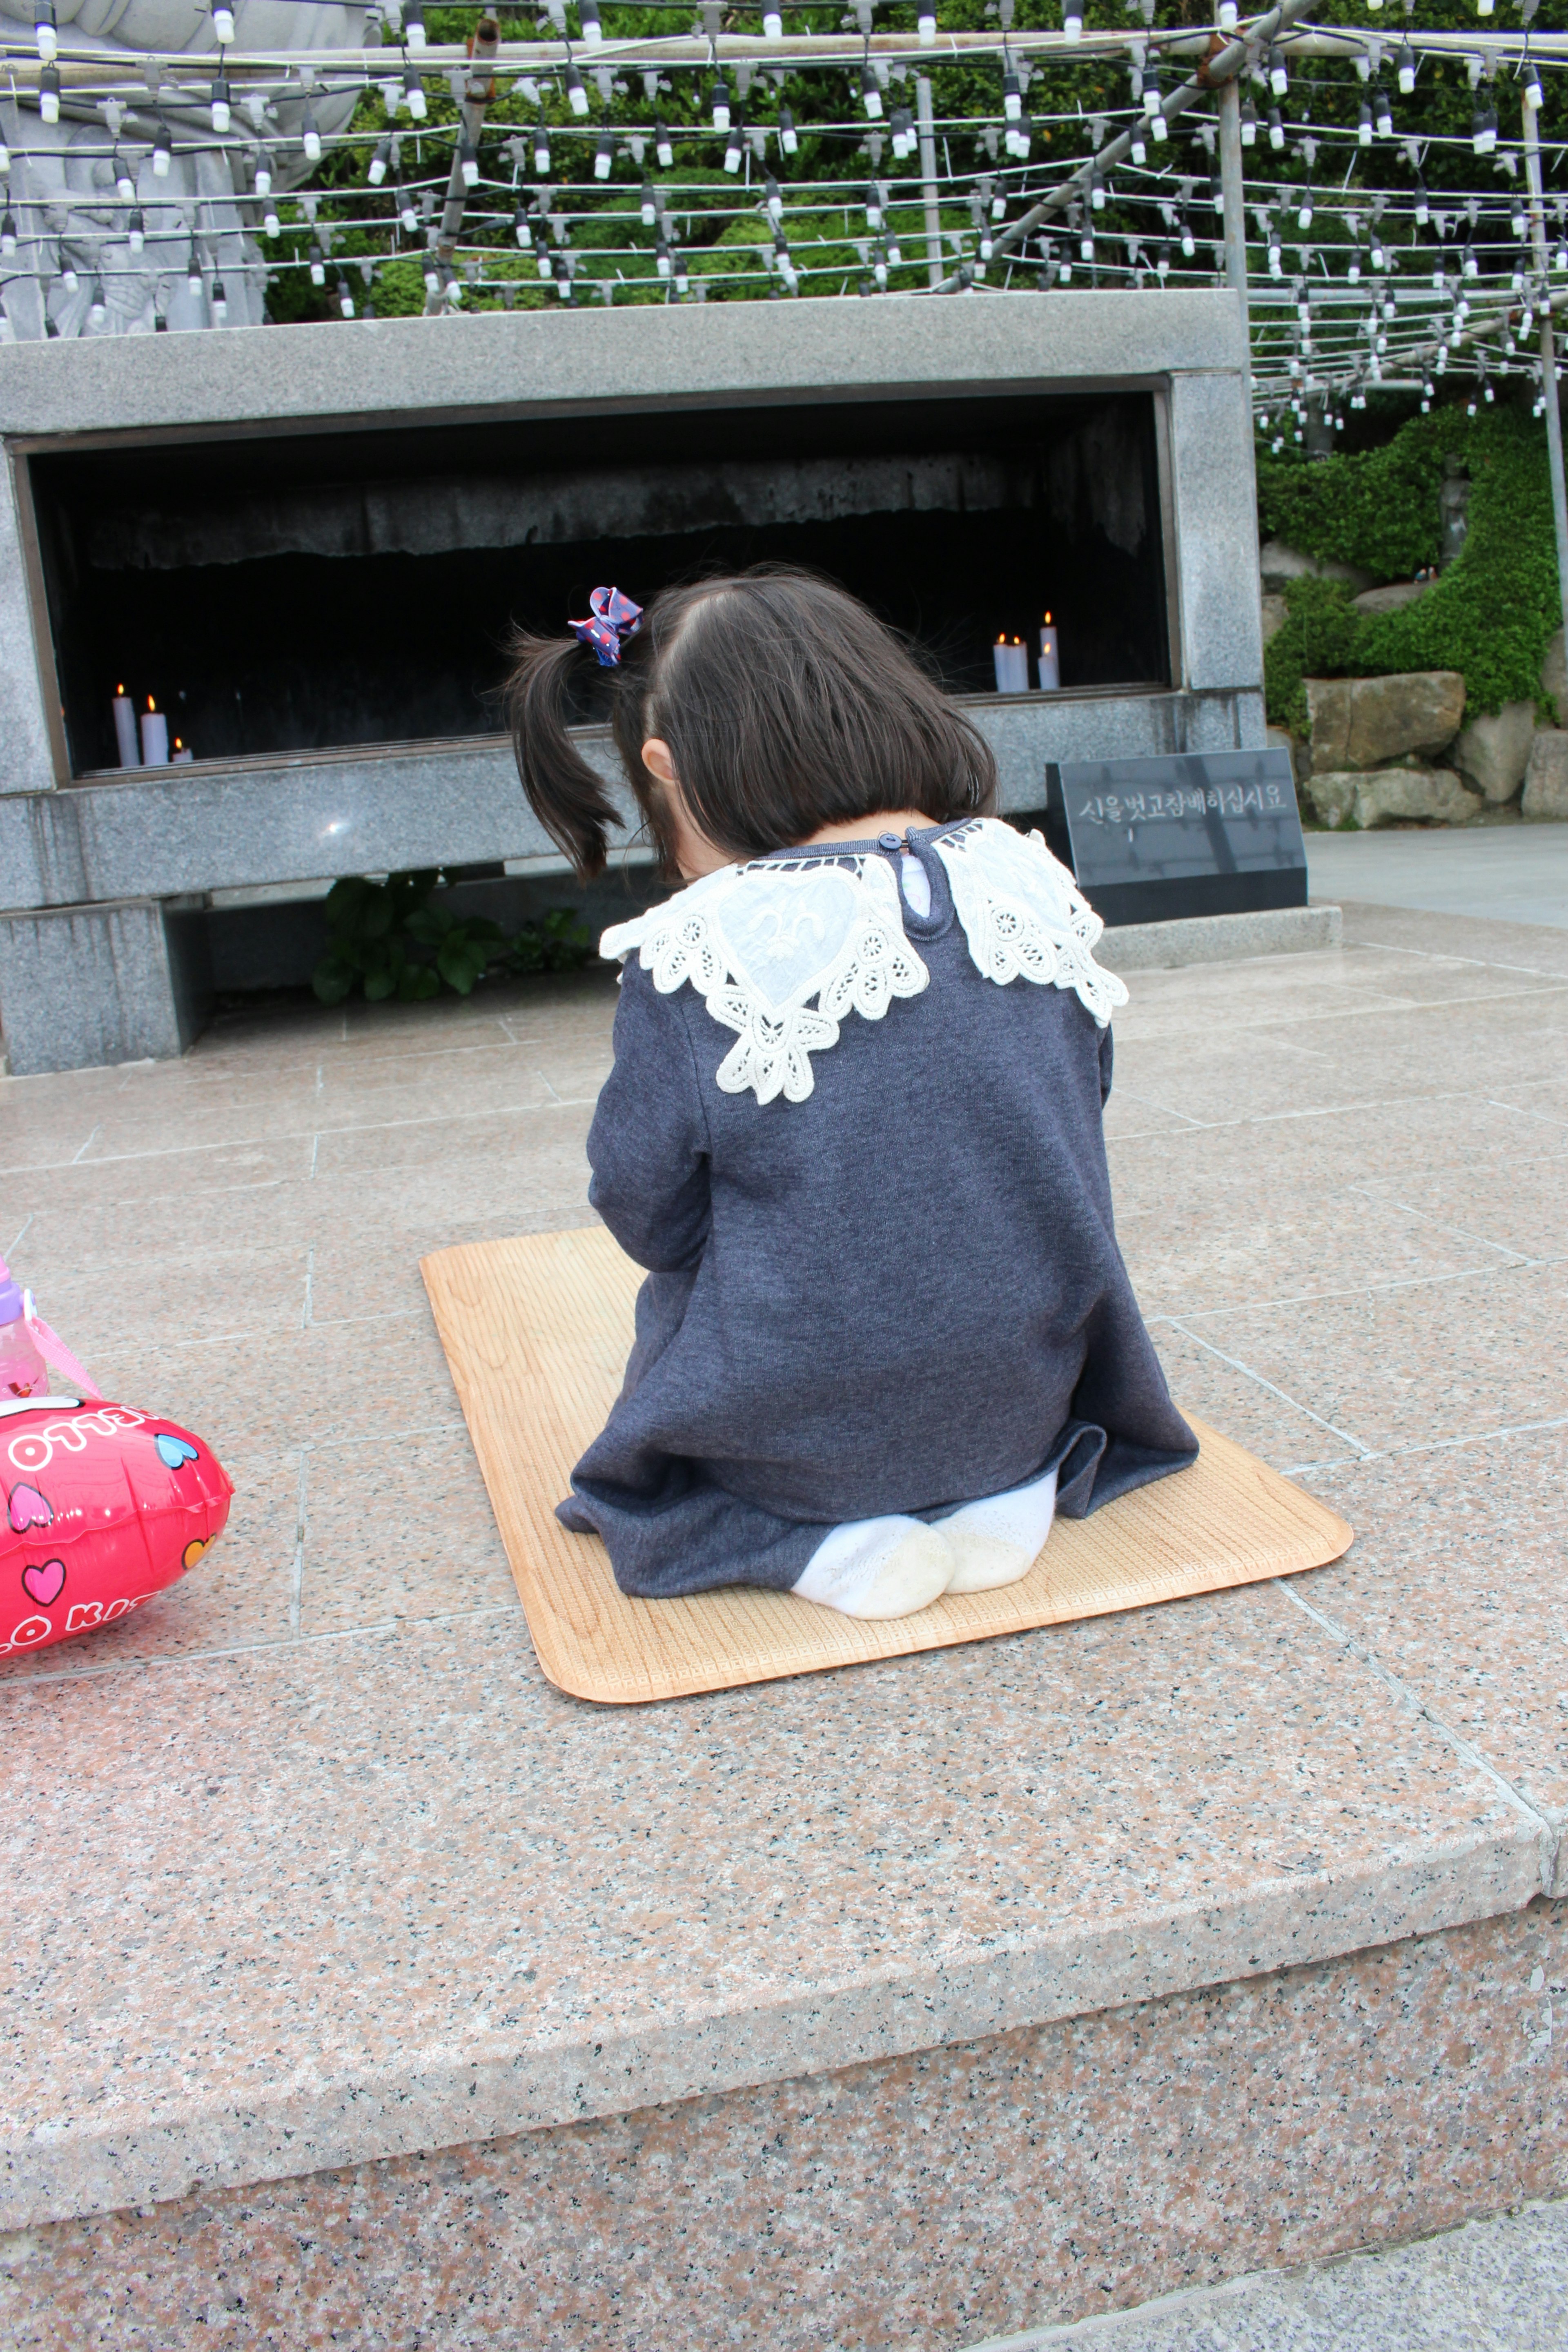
(877, 1568)
(999, 1539)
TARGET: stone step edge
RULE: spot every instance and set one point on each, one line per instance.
(1219, 939)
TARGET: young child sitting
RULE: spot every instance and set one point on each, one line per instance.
(853, 1129)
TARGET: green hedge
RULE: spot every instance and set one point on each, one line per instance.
(1490, 615)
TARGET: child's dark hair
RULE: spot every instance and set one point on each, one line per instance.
(786, 706)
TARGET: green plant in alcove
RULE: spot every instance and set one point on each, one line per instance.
(378, 930)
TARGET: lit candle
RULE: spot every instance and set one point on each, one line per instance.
(154, 737)
(126, 730)
(1011, 656)
(179, 752)
(1050, 668)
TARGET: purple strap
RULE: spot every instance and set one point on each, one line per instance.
(615, 617)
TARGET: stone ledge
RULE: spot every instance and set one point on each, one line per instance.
(1220, 938)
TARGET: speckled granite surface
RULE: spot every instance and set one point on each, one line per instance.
(312, 1866)
(915, 2204)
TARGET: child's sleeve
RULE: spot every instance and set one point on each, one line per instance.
(649, 1144)
(1106, 1056)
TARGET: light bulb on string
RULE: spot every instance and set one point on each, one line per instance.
(773, 25)
(1162, 264)
(902, 127)
(1138, 152)
(49, 93)
(1406, 69)
(772, 199)
(733, 149)
(1072, 20)
(1304, 211)
(1012, 98)
(789, 138)
(8, 234)
(522, 228)
(1189, 244)
(1275, 130)
(546, 265)
(576, 96)
(588, 17)
(222, 114)
(223, 23)
(925, 28)
(1364, 124)
(1278, 78)
(413, 15)
(1228, 16)
(408, 213)
(69, 278)
(162, 152)
(719, 104)
(1483, 135)
(125, 184)
(219, 302)
(194, 272)
(413, 97)
(1248, 123)
(1097, 190)
(136, 232)
(317, 267)
(1382, 111)
(377, 174)
(46, 32)
(468, 161)
(1422, 207)
(661, 259)
(870, 94)
(541, 152)
(1531, 93)
(663, 151)
(311, 137)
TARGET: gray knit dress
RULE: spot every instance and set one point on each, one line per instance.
(859, 1151)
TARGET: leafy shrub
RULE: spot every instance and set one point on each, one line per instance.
(1493, 610)
(378, 930)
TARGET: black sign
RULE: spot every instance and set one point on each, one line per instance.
(1213, 833)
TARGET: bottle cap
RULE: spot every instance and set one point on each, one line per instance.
(11, 1302)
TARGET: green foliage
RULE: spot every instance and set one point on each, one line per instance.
(378, 927)
(1493, 610)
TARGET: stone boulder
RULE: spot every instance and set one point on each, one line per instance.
(1493, 751)
(1427, 795)
(1555, 679)
(1281, 564)
(1365, 722)
(1392, 599)
(1546, 778)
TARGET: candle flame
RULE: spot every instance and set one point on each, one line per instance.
(150, 704)
(120, 690)
(178, 745)
(1047, 620)
(1003, 638)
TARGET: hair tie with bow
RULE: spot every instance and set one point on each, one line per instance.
(615, 616)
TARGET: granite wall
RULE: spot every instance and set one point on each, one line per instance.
(923, 2204)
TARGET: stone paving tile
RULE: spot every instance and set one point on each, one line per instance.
(1458, 1583)
(1413, 1366)
(398, 1526)
(1497, 2285)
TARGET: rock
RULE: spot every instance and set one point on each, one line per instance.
(1276, 613)
(1364, 722)
(1281, 564)
(1555, 679)
(1493, 751)
(1546, 778)
(1392, 599)
(1425, 795)
(1278, 739)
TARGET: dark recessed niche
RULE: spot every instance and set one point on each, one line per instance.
(296, 593)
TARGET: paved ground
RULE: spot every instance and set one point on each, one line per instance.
(326, 1759)
(1514, 873)
(1494, 2286)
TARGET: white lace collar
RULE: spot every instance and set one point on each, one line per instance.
(780, 951)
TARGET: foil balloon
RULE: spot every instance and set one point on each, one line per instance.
(102, 1507)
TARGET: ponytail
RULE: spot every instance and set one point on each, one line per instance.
(564, 791)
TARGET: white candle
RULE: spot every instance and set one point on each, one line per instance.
(154, 737)
(179, 752)
(1012, 660)
(1050, 668)
(126, 730)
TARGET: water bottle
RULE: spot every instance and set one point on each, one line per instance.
(28, 1349)
(23, 1372)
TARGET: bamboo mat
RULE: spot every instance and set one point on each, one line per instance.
(536, 1333)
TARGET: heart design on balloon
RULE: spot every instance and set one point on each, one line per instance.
(29, 1509)
(173, 1450)
(192, 1552)
(45, 1584)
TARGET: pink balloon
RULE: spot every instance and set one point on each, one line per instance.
(105, 1506)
